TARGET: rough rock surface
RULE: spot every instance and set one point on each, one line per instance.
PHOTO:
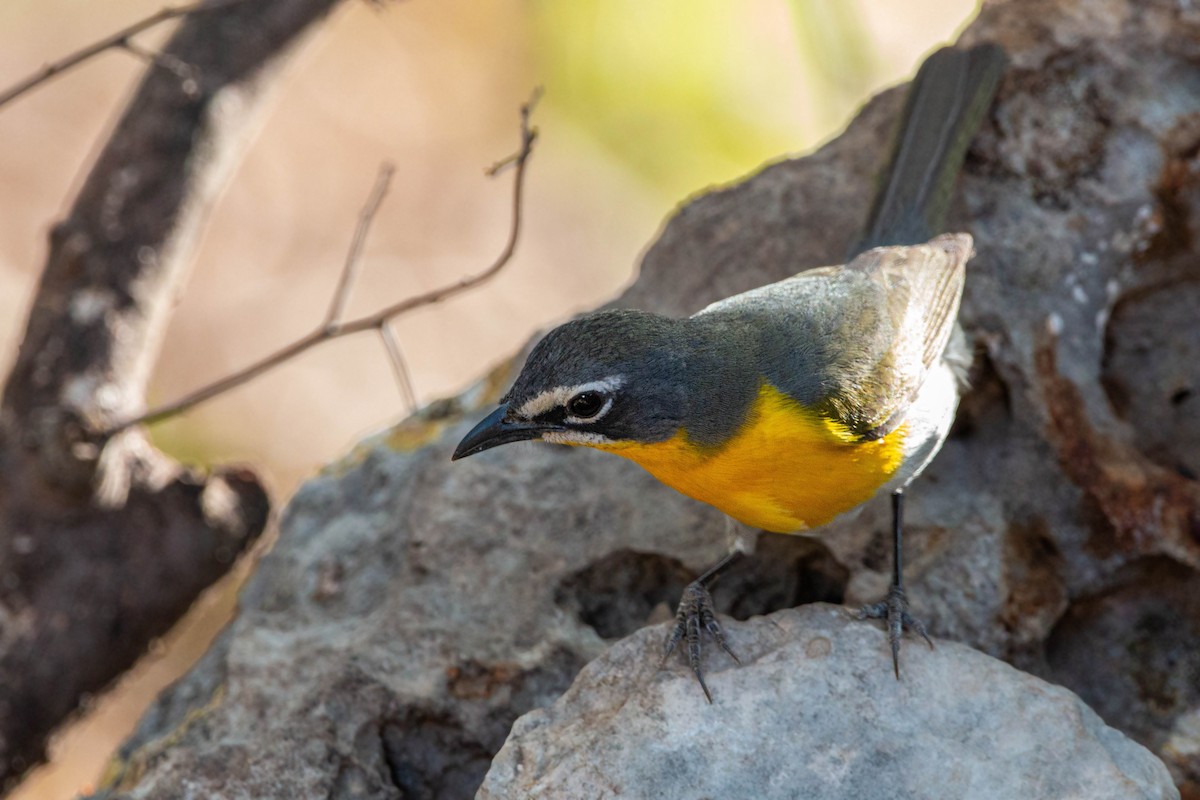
(815, 712)
(414, 608)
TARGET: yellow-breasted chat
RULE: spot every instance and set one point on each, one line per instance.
(788, 405)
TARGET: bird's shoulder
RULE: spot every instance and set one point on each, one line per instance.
(857, 340)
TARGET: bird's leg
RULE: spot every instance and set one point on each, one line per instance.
(894, 608)
(696, 614)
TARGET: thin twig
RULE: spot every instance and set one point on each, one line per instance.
(335, 329)
(519, 159)
(527, 133)
(119, 39)
(341, 295)
(391, 343)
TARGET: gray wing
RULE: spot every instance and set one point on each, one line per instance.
(856, 341)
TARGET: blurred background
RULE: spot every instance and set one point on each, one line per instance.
(646, 103)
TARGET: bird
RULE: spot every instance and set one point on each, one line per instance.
(792, 404)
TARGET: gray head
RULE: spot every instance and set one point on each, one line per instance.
(604, 377)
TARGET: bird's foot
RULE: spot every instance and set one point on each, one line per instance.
(894, 609)
(695, 615)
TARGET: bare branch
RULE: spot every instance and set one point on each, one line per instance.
(120, 39)
(280, 356)
(331, 328)
(354, 256)
(399, 366)
(104, 544)
(519, 159)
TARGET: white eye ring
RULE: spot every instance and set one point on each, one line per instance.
(559, 396)
(574, 420)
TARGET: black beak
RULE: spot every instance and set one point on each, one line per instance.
(495, 431)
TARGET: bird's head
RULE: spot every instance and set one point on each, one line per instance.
(605, 378)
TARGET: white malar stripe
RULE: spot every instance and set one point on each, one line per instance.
(558, 396)
(575, 437)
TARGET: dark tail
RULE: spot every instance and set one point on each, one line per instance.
(946, 103)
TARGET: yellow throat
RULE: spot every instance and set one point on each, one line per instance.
(786, 470)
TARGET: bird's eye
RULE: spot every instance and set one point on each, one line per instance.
(586, 405)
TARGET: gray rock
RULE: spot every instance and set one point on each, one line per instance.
(815, 712)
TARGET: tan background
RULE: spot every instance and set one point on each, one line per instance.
(645, 104)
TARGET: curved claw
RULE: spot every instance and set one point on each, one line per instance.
(694, 615)
(894, 611)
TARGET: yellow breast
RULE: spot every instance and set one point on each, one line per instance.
(786, 470)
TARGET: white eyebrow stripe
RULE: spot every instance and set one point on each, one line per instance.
(559, 395)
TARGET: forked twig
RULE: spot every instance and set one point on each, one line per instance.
(120, 39)
(333, 328)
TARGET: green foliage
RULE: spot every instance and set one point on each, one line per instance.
(694, 92)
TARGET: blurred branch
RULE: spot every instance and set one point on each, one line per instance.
(341, 295)
(119, 40)
(391, 343)
(102, 549)
(333, 327)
